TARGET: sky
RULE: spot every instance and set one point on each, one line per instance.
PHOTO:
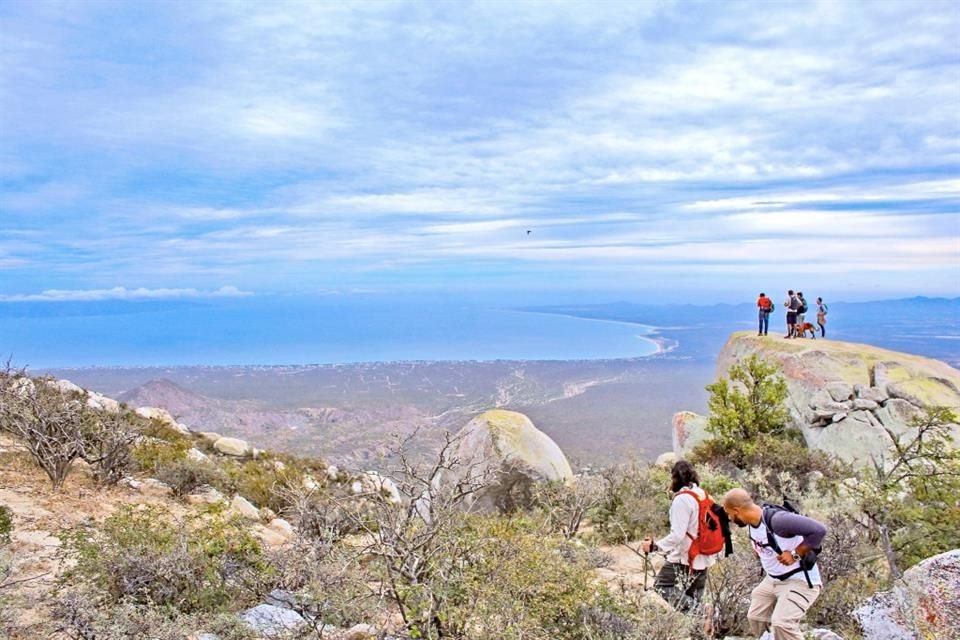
(660, 150)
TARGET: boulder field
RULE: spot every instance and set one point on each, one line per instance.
(842, 396)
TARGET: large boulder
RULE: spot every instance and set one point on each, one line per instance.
(843, 396)
(689, 430)
(233, 447)
(507, 453)
(924, 604)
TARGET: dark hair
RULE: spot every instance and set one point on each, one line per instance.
(682, 475)
(790, 291)
(762, 294)
(800, 293)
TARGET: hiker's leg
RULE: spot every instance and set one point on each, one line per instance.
(794, 598)
(697, 583)
(823, 331)
(760, 329)
(671, 584)
(762, 602)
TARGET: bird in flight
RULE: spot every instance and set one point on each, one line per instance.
(528, 231)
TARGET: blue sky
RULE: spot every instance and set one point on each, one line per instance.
(668, 150)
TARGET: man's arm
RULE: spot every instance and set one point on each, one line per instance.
(788, 525)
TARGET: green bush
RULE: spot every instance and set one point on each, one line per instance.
(185, 476)
(515, 583)
(143, 555)
(635, 502)
(6, 523)
(160, 446)
(262, 482)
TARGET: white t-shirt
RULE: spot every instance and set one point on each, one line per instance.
(684, 514)
(768, 557)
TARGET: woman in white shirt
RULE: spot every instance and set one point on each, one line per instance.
(676, 582)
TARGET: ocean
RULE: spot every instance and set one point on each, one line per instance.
(262, 330)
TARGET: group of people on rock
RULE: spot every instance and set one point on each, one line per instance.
(796, 306)
(786, 543)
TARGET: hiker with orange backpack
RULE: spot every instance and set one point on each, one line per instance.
(699, 536)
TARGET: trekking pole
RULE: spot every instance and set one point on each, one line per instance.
(646, 569)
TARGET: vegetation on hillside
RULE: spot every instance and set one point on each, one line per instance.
(429, 567)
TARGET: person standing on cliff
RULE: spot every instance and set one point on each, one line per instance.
(792, 303)
(822, 317)
(786, 544)
(680, 584)
(765, 306)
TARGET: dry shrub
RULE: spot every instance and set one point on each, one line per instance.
(142, 554)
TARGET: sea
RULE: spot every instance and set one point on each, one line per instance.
(277, 330)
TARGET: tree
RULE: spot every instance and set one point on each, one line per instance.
(909, 497)
(51, 421)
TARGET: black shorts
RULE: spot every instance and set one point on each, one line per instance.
(791, 317)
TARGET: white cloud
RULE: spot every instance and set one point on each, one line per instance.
(122, 293)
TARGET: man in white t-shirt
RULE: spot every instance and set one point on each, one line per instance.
(786, 544)
(678, 585)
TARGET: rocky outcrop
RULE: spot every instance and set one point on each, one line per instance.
(506, 452)
(162, 416)
(924, 604)
(842, 396)
(689, 430)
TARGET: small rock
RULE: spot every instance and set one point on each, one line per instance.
(840, 391)
(153, 487)
(837, 417)
(864, 404)
(243, 506)
(361, 632)
(196, 455)
(897, 391)
(102, 402)
(281, 526)
(310, 484)
(333, 472)
(267, 514)
(871, 393)
(667, 459)
(267, 619)
(210, 436)
(206, 495)
(824, 634)
(232, 447)
(356, 487)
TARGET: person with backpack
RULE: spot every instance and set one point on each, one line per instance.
(802, 310)
(765, 306)
(792, 304)
(787, 545)
(699, 535)
(822, 317)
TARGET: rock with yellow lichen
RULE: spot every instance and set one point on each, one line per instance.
(505, 452)
(843, 396)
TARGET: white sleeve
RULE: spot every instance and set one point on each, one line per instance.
(680, 510)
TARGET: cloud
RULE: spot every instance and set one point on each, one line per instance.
(334, 143)
(122, 293)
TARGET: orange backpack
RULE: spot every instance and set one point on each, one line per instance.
(713, 529)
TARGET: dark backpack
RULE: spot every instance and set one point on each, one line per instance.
(803, 307)
(807, 561)
(713, 529)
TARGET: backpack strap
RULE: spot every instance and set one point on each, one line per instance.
(767, 519)
(690, 492)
